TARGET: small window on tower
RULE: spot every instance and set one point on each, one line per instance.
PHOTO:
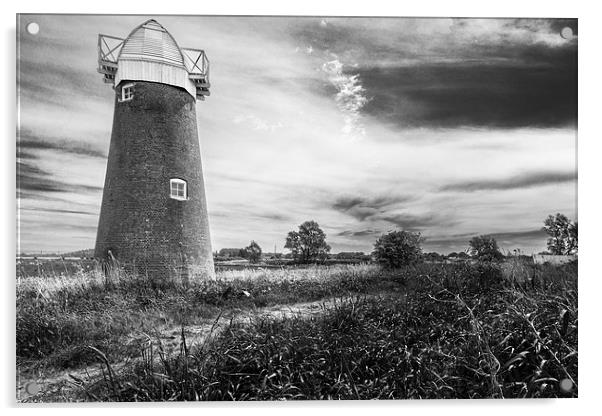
(127, 92)
(177, 189)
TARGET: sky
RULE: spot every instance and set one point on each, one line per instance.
(448, 127)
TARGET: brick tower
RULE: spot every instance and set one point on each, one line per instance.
(153, 217)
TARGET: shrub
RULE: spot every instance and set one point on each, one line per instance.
(484, 248)
(253, 252)
(397, 249)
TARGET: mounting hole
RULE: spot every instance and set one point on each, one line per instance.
(566, 33)
(33, 28)
(32, 388)
(566, 385)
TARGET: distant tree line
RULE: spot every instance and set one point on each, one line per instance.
(400, 248)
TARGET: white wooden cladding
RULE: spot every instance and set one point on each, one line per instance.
(150, 53)
(151, 42)
(138, 70)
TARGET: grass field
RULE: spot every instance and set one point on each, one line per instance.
(427, 331)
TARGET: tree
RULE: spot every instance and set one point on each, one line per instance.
(563, 234)
(253, 252)
(308, 244)
(484, 247)
(398, 248)
(433, 256)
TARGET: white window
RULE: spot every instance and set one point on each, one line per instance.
(127, 92)
(177, 189)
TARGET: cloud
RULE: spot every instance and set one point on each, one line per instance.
(272, 216)
(60, 211)
(537, 233)
(32, 178)
(411, 222)
(350, 96)
(361, 233)
(361, 207)
(61, 145)
(257, 123)
(527, 180)
(439, 101)
(25, 155)
(385, 209)
(504, 73)
(474, 94)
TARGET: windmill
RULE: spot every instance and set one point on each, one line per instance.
(153, 216)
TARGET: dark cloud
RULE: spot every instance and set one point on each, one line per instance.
(410, 222)
(521, 181)
(21, 154)
(32, 178)
(383, 208)
(272, 216)
(62, 145)
(361, 233)
(505, 77)
(60, 211)
(475, 94)
(361, 207)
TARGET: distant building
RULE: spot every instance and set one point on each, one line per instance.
(553, 259)
(153, 216)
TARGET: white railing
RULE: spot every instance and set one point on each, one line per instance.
(108, 52)
(196, 63)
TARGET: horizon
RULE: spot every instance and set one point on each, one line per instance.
(448, 127)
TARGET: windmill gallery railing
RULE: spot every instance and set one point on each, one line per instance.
(197, 64)
(108, 52)
(195, 61)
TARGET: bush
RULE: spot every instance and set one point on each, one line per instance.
(397, 249)
(485, 248)
(253, 252)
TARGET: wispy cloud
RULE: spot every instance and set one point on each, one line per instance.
(32, 178)
(415, 222)
(362, 207)
(60, 211)
(67, 146)
(526, 180)
(350, 96)
(257, 123)
(360, 233)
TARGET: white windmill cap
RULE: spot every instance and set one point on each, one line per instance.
(151, 42)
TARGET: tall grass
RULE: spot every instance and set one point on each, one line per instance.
(59, 316)
(424, 331)
(460, 331)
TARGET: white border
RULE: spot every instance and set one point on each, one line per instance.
(589, 149)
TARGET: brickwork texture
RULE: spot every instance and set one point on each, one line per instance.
(155, 139)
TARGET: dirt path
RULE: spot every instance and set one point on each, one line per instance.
(65, 385)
